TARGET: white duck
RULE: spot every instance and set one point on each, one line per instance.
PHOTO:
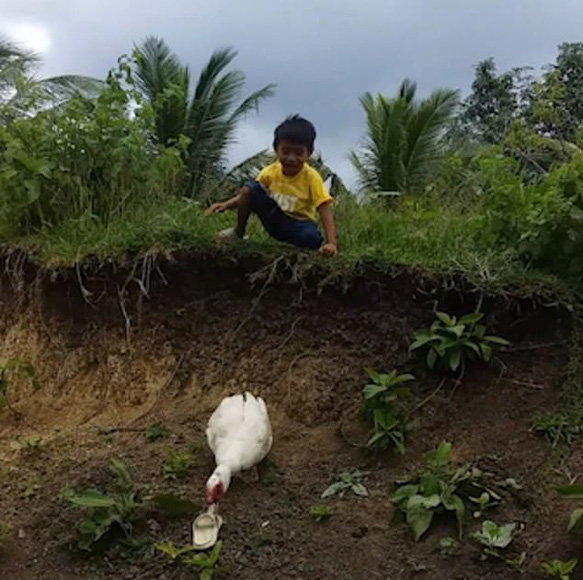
(239, 435)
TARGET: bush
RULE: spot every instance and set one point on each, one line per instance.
(87, 160)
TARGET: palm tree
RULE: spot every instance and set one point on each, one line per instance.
(404, 139)
(21, 93)
(208, 117)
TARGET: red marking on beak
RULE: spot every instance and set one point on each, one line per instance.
(213, 495)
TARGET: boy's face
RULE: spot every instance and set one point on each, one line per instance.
(292, 156)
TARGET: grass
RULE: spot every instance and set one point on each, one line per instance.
(440, 240)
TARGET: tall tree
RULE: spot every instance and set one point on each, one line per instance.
(21, 92)
(404, 139)
(557, 104)
(208, 117)
(495, 101)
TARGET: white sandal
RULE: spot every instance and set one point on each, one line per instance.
(205, 530)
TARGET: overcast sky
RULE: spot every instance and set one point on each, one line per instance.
(323, 54)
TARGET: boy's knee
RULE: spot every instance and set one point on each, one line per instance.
(308, 237)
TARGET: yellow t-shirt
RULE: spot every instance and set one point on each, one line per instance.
(299, 196)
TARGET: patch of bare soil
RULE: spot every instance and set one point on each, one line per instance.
(107, 358)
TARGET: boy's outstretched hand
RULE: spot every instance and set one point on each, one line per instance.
(216, 208)
(328, 250)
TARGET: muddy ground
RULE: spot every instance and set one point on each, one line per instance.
(110, 365)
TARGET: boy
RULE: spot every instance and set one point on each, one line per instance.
(287, 194)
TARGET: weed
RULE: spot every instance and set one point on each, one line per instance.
(386, 406)
(156, 432)
(559, 569)
(177, 464)
(205, 562)
(31, 488)
(321, 512)
(108, 514)
(450, 343)
(449, 546)
(486, 500)
(439, 488)
(495, 537)
(558, 427)
(10, 370)
(495, 540)
(346, 482)
(574, 491)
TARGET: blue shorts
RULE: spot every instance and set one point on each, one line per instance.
(279, 225)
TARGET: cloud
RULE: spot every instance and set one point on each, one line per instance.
(322, 54)
(28, 34)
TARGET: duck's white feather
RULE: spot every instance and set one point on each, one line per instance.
(239, 432)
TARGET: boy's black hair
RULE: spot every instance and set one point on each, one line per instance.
(297, 130)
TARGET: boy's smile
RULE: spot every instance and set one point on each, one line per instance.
(292, 157)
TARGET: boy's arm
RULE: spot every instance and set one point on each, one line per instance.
(330, 248)
(225, 205)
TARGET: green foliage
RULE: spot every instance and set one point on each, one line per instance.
(559, 569)
(205, 562)
(108, 515)
(86, 161)
(386, 401)
(347, 482)
(321, 512)
(22, 94)
(450, 343)
(10, 370)
(208, 118)
(178, 464)
(558, 427)
(449, 546)
(496, 100)
(575, 492)
(403, 141)
(156, 432)
(440, 488)
(495, 537)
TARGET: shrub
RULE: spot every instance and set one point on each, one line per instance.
(386, 406)
(87, 160)
(450, 343)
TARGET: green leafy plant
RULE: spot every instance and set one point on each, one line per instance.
(449, 546)
(495, 540)
(31, 488)
(10, 370)
(178, 464)
(486, 500)
(440, 488)
(574, 491)
(347, 482)
(557, 427)
(204, 562)
(559, 569)
(321, 512)
(450, 343)
(387, 407)
(108, 515)
(156, 432)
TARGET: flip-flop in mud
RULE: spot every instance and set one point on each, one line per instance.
(205, 530)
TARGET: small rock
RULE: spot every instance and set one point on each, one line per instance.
(361, 532)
